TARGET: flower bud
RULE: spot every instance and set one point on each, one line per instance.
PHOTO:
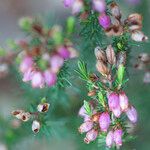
(104, 20)
(118, 137)
(99, 5)
(104, 121)
(64, 52)
(44, 107)
(50, 78)
(110, 53)
(56, 62)
(37, 80)
(138, 36)
(120, 73)
(102, 68)
(100, 54)
(56, 34)
(132, 114)
(109, 139)
(70, 25)
(91, 136)
(26, 63)
(36, 126)
(115, 10)
(86, 126)
(25, 23)
(113, 100)
(123, 99)
(77, 6)
(68, 3)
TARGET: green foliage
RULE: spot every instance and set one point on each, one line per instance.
(87, 108)
(82, 71)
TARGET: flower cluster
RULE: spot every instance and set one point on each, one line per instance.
(132, 25)
(109, 17)
(103, 121)
(143, 63)
(26, 116)
(105, 114)
(83, 7)
(44, 53)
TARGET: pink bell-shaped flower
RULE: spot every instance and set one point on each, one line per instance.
(109, 139)
(91, 136)
(113, 100)
(118, 137)
(132, 114)
(123, 99)
(99, 5)
(26, 63)
(64, 52)
(50, 78)
(77, 6)
(68, 3)
(86, 126)
(37, 80)
(56, 62)
(104, 121)
(27, 76)
(104, 20)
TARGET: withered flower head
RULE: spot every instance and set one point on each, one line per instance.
(110, 53)
(115, 11)
(100, 54)
(25, 116)
(17, 113)
(134, 22)
(21, 115)
(44, 107)
(36, 126)
(114, 30)
(102, 68)
(138, 36)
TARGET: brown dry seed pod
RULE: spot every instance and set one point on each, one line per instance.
(100, 54)
(92, 93)
(110, 53)
(102, 68)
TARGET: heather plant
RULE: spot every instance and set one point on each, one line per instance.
(42, 63)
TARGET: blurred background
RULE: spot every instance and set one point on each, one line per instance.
(11, 95)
